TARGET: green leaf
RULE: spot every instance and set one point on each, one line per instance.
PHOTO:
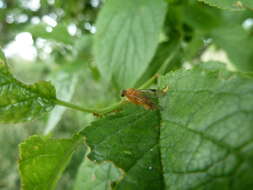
(131, 140)
(230, 4)
(228, 37)
(20, 102)
(206, 132)
(92, 175)
(126, 39)
(43, 159)
(197, 15)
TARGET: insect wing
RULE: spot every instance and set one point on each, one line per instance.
(151, 97)
(153, 93)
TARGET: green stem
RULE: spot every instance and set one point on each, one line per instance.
(75, 107)
(112, 108)
(162, 69)
(89, 110)
(149, 82)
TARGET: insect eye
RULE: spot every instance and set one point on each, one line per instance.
(123, 93)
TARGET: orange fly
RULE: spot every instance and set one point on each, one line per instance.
(145, 98)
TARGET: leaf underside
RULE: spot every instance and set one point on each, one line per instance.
(20, 102)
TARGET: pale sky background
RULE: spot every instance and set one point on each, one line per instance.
(23, 46)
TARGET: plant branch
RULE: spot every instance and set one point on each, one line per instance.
(75, 107)
(149, 82)
(116, 106)
(98, 112)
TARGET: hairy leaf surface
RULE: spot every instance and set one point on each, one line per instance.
(206, 132)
